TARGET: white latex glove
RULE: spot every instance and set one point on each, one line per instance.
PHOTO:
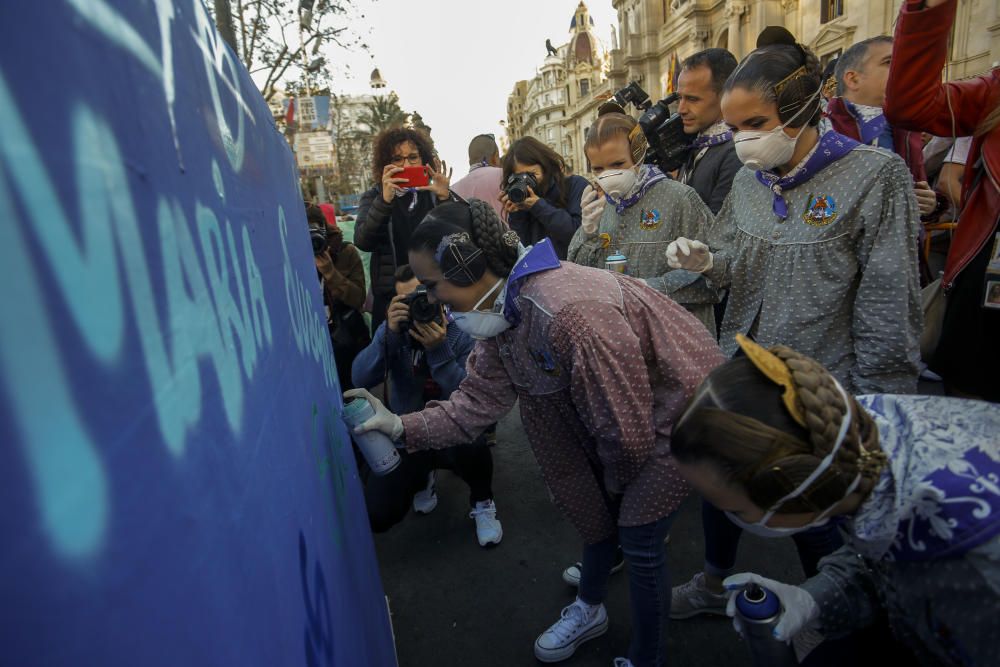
(689, 255)
(800, 610)
(383, 421)
(592, 205)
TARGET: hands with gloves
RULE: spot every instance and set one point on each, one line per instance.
(799, 608)
(592, 204)
(383, 421)
(689, 255)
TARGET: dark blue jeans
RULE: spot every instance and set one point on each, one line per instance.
(649, 584)
(722, 538)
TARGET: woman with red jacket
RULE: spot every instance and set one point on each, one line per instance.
(968, 355)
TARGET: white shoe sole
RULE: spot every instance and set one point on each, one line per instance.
(491, 543)
(560, 654)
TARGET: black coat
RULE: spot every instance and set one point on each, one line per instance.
(712, 175)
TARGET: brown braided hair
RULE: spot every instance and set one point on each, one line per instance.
(482, 230)
(738, 422)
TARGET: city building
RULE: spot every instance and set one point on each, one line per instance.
(559, 103)
(653, 32)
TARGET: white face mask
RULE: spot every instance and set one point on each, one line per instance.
(618, 182)
(479, 324)
(767, 149)
(761, 528)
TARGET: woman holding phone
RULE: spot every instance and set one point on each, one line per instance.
(551, 207)
(390, 211)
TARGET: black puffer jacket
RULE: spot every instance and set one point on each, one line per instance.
(384, 231)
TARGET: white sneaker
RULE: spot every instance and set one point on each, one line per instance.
(426, 499)
(571, 575)
(488, 529)
(623, 662)
(694, 598)
(577, 623)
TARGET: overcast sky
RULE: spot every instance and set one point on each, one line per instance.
(455, 61)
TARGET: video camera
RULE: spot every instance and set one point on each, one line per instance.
(421, 310)
(668, 145)
(318, 234)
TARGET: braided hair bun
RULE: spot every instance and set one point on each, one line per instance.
(498, 242)
(740, 421)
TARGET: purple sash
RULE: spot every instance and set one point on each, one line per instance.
(832, 146)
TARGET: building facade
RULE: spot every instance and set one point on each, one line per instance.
(652, 32)
(560, 102)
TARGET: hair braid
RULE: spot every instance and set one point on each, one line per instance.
(823, 408)
(490, 235)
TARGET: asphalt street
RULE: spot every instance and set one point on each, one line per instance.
(454, 603)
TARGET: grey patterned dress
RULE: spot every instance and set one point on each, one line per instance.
(837, 279)
(642, 233)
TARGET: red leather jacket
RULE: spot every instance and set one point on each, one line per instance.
(907, 145)
(916, 99)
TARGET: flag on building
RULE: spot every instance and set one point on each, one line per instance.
(673, 71)
(290, 114)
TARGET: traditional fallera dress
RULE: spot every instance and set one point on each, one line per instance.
(824, 260)
(925, 544)
(602, 365)
(652, 214)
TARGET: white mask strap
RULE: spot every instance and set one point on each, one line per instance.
(823, 465)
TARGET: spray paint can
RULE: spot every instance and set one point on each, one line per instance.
(617, 263)
(375, 446)
(759, 611)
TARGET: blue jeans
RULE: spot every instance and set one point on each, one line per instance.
(722, 538)
(649, 584)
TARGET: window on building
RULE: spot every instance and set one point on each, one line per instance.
(831, 9)
(552, 134)
(584, 87)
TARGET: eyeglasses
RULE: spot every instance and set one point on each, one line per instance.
(412, 158)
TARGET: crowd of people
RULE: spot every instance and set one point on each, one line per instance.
(747, 326)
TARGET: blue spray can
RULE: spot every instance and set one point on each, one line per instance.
(376, 447)
(759, 611)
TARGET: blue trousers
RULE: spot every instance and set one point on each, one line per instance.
(649, 584)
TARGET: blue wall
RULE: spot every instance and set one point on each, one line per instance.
(176, 487)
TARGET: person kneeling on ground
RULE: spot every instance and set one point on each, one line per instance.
(426, 362)
(776, 442)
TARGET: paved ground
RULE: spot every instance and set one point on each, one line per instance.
(455, 603)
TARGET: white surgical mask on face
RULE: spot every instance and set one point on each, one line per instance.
(617, 182)
(761, 529)
(767, 149)
(479, 324)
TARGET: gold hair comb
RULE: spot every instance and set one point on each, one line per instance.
(796, 74)
(776, 371)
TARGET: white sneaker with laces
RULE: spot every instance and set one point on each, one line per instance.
(577, 623)
(488, 529)
(426, 499)
(623, 662)
(694, 598)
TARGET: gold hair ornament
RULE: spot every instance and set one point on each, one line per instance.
(777, 372)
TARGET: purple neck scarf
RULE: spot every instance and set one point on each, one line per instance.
(872, 130)
(708, 140)
(832, 146)
(648, 177)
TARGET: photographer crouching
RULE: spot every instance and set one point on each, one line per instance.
(342, 276)
(539, 198)
(421, 356)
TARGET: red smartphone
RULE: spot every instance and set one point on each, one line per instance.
(415, 177)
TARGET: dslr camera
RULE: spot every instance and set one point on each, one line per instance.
(668, 145)
(421, 310)
(318, 234)
(517, 186)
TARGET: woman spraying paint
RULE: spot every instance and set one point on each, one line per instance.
(556, 337)
(779, 445)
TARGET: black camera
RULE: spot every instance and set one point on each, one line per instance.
(518, 184)
(668, 144)
(421, 310)
(318, 234)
